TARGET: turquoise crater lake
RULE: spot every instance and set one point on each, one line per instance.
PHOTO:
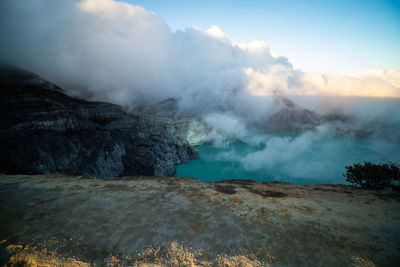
(308, 158)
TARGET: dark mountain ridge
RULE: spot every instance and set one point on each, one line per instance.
(44, 130)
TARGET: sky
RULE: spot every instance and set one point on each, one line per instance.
(341, 36)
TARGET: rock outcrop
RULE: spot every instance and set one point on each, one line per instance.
(42, 130)
(290, 117)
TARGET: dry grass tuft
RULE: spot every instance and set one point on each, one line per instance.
(178, 255)
(172, 254)
(360, 262)
(32, 256)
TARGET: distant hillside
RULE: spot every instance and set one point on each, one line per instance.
(44, 130)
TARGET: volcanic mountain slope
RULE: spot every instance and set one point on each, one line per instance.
(290, 117)
(44, 130)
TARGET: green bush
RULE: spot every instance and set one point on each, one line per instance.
(374, 176)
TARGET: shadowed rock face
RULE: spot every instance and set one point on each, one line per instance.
(43, 130)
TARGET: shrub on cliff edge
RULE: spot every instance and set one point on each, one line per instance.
(374, 176)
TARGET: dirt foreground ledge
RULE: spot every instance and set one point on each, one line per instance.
(56, 219)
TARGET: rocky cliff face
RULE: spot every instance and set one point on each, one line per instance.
(44, 130)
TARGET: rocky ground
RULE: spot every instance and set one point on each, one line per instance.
(56, 219)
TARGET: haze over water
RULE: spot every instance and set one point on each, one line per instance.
(314, 157)
(319, 162)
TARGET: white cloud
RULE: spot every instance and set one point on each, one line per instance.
(390, 76)
(361, 85)
(273, 80)
(255, 47)
(217, 33)
(288, 81)
(118, 52)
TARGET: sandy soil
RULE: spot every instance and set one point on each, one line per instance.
(57, 219)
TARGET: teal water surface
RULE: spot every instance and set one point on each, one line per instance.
(302, 159)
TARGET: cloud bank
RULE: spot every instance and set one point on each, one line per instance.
(118, 52)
